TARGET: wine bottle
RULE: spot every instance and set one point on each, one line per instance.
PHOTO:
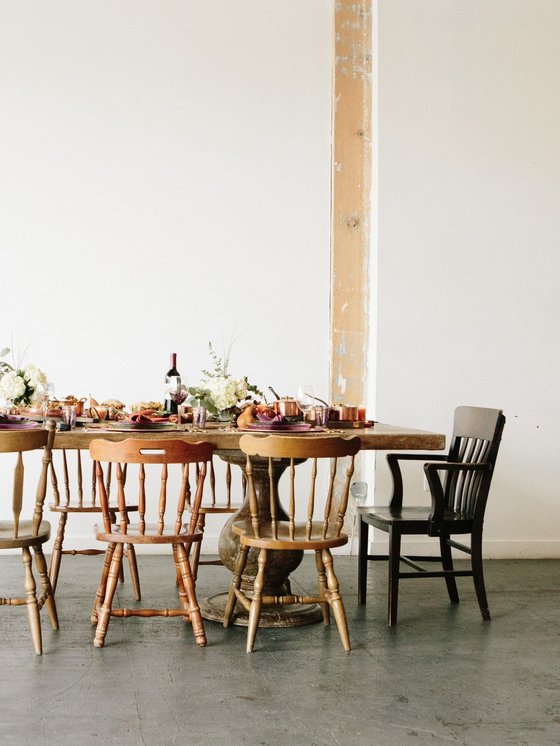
(172, 384)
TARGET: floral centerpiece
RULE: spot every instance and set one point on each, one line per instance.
(19, 385)
(219, 391)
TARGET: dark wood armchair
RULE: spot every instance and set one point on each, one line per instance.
(459, 483)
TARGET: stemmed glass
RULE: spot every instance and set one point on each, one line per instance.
(47, 397)
(305, 398)
(179, 395)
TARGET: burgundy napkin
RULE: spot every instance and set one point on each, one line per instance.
(146, 416)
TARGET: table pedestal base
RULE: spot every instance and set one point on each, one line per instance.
(293, 615)
(281, 563)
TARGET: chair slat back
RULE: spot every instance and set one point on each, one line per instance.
(210, 499)
(337, 451)
(477, 432)
(68, 467)
(18, 443)
(228, 483)
(148, 453)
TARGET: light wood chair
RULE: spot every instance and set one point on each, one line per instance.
(169, 528)
(71, 496)
(320, 531)
(459, 484)
(213, 505)
(29, 533)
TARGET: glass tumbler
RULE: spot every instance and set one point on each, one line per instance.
(199, 417)
(69, 416)
(321, 416)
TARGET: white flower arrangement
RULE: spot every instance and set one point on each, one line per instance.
(219, 390)
(226, 392)
(21, 385)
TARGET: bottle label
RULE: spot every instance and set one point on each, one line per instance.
(172, 384)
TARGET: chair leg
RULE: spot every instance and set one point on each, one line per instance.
(335, 600)
(256, 603)
(447, 564)
(322, 586)
(196, 546)
(394, 569)
(32, 605)
(105, 610)
(100, 595)
(56, 555)
(113, 518)
(188, 583)
(362, 561)
(46, 588)
(183, 599)
(478, 575)
(133, 567)
(235, 583)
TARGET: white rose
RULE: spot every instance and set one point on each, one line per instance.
(12, 386)
(241, 388)
(35, 376)
(223, 392)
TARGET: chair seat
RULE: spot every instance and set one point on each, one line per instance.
(149, 535)
(414, 519)
(244, 530)
(25, 537)
(209, 509)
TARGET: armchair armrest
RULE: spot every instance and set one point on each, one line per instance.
(393, 462)
(431, 470)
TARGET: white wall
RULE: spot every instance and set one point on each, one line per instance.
(165, 181)
(469, 240)
(165, 177)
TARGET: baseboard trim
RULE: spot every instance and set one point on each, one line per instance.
(491, 549)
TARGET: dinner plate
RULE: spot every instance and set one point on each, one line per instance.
(282, 427)
(56, 418)
(19, 425)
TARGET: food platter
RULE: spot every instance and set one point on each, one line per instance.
(139, 426)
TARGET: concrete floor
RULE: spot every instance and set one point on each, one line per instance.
(442, 676)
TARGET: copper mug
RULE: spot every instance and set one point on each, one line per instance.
(347, 413)
(286, 407)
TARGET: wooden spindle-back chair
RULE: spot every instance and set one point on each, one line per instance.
(169, 526)
(459, 484)
(25, 533)
(320, 531)
(215, 502)
(74, 492)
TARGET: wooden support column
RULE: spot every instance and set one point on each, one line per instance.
(351, 183)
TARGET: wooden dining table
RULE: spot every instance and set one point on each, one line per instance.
(379, 437)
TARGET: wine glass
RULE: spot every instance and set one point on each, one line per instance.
(305, 398)
(179, 395)
(46, 398)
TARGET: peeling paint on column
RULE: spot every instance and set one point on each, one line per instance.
(351, 175)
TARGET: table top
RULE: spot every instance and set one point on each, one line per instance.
(380, 437)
